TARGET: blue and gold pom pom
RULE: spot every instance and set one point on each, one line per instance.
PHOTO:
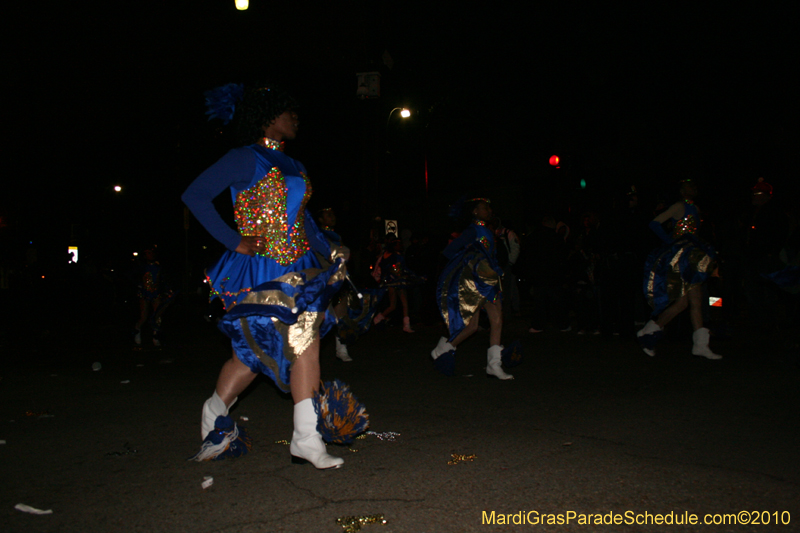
(512, 354)
(227, 440)
(341, 417)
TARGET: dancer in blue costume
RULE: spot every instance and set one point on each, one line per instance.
(355, 308)
(154, 297)
(395, 277)
(270, 280)
(327, 223)
(675, 273)
(471, 281)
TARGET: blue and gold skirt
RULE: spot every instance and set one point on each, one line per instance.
(468, 281)
(673, 270)
(271, 324)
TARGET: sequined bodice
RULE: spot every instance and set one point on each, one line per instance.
(151, 275)
(264, 210)
(689, 224)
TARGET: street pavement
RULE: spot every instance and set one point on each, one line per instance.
(590, 427)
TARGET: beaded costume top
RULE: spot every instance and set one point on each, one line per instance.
(689, 224)
(261, 210)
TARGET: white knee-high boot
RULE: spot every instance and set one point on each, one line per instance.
(700, 339)
(494, 362)
(442, 347)
(407, 325)
(648, 337)
(213, 408)
(341, 351)
(307, 444)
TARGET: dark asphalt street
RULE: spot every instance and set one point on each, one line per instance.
(590, 425)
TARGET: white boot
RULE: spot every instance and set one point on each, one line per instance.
(648, 344)
(341, 351)
(213, 408)
(493, 367)
(442, 347)
(649, 328)
(407, 325)
(378, 319)
(700, 339)
(307, 444)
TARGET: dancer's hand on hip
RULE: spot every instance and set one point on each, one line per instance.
(251, 246)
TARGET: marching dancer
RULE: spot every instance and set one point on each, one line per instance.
(270, 280)
(470, 282)
(674, 274)
(395, 278)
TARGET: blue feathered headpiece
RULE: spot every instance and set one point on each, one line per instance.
(221, 101)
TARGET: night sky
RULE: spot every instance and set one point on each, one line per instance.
(100, 95)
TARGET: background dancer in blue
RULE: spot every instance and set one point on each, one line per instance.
(270, 280)
(469, 282)
(674, 274)
(395, 277)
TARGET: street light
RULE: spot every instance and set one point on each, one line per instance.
(117, 188)
(404, 112)
(241, 5)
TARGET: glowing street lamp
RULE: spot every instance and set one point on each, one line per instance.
(404, 112)
(117, 188)
(241, 5)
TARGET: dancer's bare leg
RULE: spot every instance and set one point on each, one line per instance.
(341, 308)
(695, 297)
(471, 328)
(404, 301)
(392, 302)
(495, 312)
(673, 310)
(144, 310)
(233, 379)
(305, 373)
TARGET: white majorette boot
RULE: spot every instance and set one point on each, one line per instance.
(649, 336)
(700, 348)
(307, 444)
(407, 325)
(213, 408)
(493, 366)
(341, 351)
(441, 348)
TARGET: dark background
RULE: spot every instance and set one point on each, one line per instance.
(98, 95)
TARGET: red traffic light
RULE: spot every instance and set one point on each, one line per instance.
(554, 160)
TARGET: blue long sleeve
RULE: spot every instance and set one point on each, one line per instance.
(235, 167)
(659, 230)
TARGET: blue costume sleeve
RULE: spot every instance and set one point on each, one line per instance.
(659, 230)
(235, 167)
(462, 241)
